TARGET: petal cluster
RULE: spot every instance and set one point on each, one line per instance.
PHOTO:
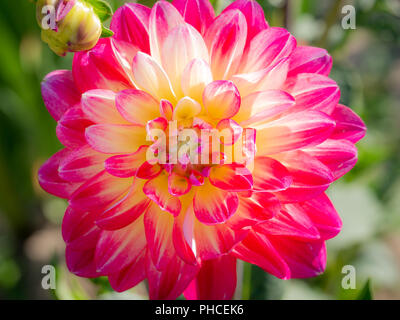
(182, 223)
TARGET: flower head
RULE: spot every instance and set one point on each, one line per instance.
(192, 141)
(68, 25)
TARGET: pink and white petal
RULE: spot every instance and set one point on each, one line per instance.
(254, 14)
(266, 48)
(293, 131)
(270, 78)
(130, 276)
(133, 164)
(71, 128)
(221, 99)
(113, 138)
(270, 175)
(199, 13)
(100, 191)
(263, 106)
(138, 107)
(183, 44)
(130, 23)
(289, 222)
(212, 205)
(231, 177)
(183, 234)
(310, 177)
(99, 107)
(117, 249)
(163, 17)
(166, 109)
(216, 280)
(50, 180)
(81, 262)
(230, 131)
(178, 185)
(304, 259)
(257, 249)
(98, 68)
(149, 76)
(258, 207)
(59, 92)
(157, 189)
(349, 125)
(125, 211)
(169, 283)
(79, 230)
(226, 40)
(213, 241)
(195, 77)
(322, 213)
(305, 59)
(313, 92)
(81, 164)
(339, 156)
(158, 228)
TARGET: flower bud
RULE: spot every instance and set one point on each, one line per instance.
(68, 25)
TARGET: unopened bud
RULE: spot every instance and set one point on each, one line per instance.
(68, 25)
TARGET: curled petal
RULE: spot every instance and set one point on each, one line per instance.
(125, 211)
(130, 23)
(50, 180)
(313, 92)
(339, 156)
(157, 189)
(231, 177)
(226, 39)
(198, 13)
(71, 128)
(100, 191)
(59, 92)
(133, 164)
(322, 214)
(183, 44)
(270, 175)
(260, 107)
(99, 68)
(254, 16)
(169, 283)
(266, 48)
(119, 248)
(294, 131)
(150, 77)
(163, 18)
(158, 227)
(99, 107)
(305, 59)
(178, 185)
(131, 275)
(81, 262)
(79, 230)
(138, 107)
(196, 76)
(221, 99)
(81, 164)
(349, 125)
(109, 138)
(213, 205)
(216, 280)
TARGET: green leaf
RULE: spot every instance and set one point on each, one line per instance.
(366, 292)
(106, 33)
(102, 9)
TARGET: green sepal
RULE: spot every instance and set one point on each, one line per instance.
(101, 8)
(106, 33)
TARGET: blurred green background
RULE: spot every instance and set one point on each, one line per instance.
(367, 68)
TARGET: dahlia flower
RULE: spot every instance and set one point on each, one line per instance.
(68, 25)
(141, 203)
